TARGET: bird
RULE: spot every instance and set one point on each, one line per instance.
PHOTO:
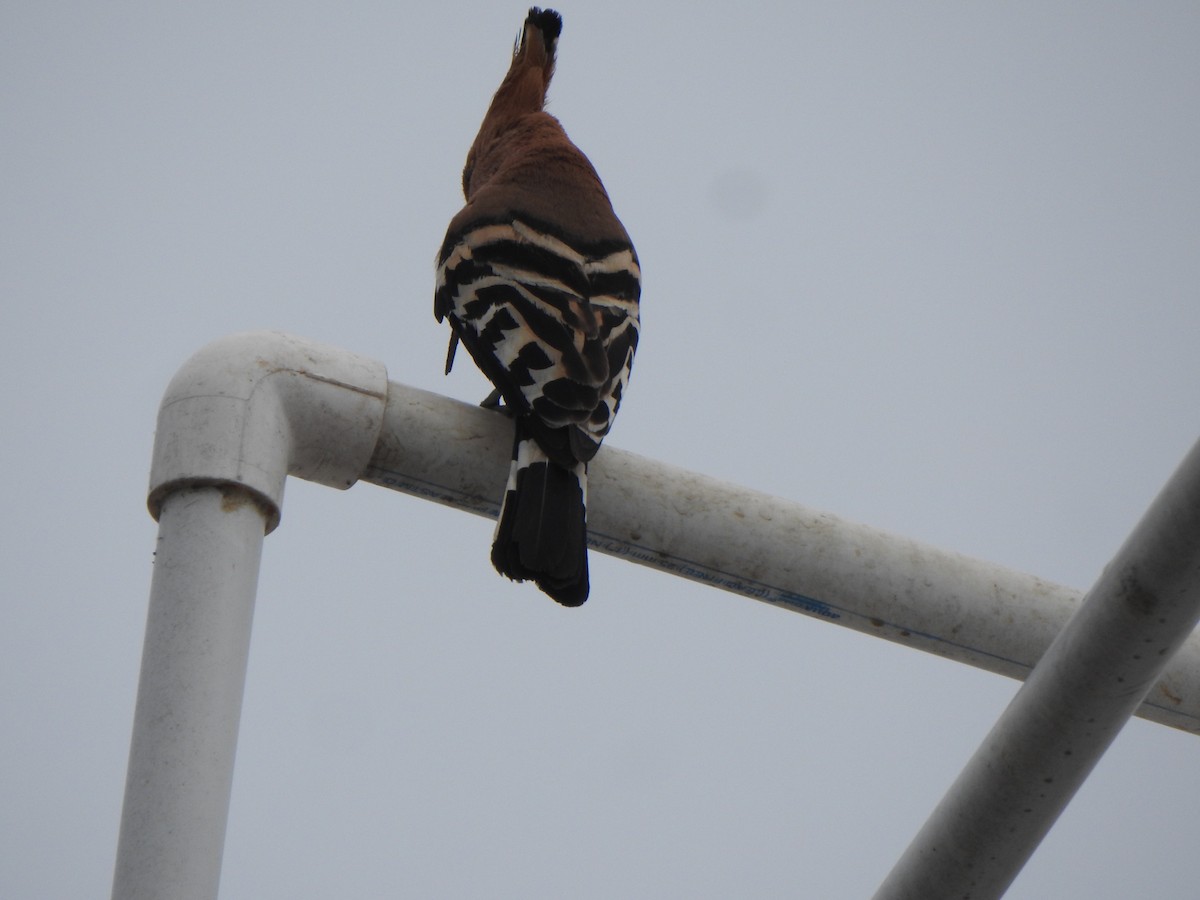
(541, 284)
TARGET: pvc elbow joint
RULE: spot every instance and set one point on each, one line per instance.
(252, 408)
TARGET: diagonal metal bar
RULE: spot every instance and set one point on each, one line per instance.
(1067, 713)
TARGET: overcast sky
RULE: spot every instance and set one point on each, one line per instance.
(932, 267)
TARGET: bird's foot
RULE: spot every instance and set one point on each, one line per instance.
(493, 401)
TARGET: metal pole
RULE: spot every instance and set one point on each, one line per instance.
(1067, 713)
(763, 547)
(189, 695)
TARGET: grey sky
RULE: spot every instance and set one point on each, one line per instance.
(932, 267)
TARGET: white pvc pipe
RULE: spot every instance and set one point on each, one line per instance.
(189, 695)
(240, 416)
(249, 410)
(764, 547)
(1067, 713)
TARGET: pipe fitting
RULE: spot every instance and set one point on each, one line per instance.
(252, 408)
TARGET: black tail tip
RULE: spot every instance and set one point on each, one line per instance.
(547, 21)
(573, 594)
(569, 589)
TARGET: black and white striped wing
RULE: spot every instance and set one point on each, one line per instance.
(615, 289)
(553, 328)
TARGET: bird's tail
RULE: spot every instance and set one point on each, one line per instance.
(542, 531)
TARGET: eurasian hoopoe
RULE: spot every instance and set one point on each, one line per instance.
(541, 284)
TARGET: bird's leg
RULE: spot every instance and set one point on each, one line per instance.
(492, 401)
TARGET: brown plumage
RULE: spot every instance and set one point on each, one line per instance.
(540, 282)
